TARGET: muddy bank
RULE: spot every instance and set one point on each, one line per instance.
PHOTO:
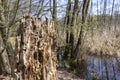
(63, 74)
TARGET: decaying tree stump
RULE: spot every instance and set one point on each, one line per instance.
(36, 49)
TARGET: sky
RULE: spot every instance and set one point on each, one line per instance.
(62, 4)
(108, 8)
(94, 10)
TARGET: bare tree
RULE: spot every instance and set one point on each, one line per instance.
(7, 21)
(84, 15)
(73, 22)
(54, 15)
(67, 25)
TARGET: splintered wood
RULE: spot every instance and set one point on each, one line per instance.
(36, 49)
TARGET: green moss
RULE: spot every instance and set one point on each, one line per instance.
(69, 56)
(73, 64)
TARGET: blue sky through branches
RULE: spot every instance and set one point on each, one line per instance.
(96, 7)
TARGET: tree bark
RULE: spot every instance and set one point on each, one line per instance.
(84, 15)
(73, 22)
(37, 49)
(54, 11)
(67, 25)
(4, 60)
(5, 64)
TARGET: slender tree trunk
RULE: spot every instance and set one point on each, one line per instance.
(104, 13)
(30, 6)
(84, 15)
(73, 22)
(67, 25)
(111, 17)
(54, 16)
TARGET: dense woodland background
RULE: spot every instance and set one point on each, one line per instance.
(82, 27)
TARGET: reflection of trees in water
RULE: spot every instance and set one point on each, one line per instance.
(103, 68)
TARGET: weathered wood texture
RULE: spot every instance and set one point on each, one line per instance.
(36, 49)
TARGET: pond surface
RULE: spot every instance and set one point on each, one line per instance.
(102, 68)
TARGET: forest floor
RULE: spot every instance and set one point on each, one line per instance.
(64, 74)
(3, 77)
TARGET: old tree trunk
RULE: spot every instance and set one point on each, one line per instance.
(36, 49)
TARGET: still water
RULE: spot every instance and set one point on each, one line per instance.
(102, 68)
